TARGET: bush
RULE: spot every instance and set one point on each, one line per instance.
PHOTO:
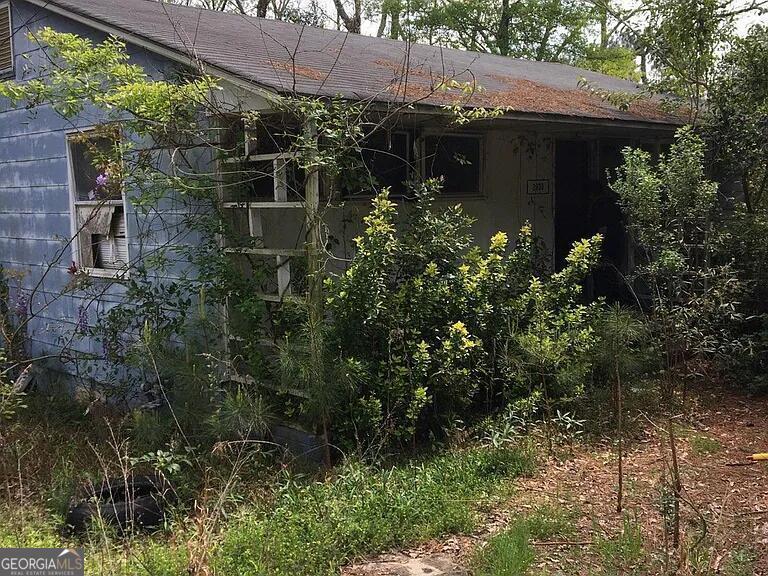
(441, 329)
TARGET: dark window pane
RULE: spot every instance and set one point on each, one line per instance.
(89, 163)
(385, 157)
(457, 160)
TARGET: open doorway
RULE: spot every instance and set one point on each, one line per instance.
(585, 206)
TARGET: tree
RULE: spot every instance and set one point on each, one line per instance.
(689, 294)
(737, 123)
(288, 10)
(553, 30)
(352, 21)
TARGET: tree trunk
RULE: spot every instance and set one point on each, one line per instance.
(502, 35)
(620, 494)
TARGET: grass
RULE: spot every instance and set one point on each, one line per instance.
(507, 554)
(704, 445)
(511, 553)
(740, 563)
(622, 554)
(273, 523)
(312, 529)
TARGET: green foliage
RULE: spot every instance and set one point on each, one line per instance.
(703, 445)
(507, 554)
(616, 61)
(442, 327)
(684, 39)
(691, 294)
(11, 400)
(102, 75)
(741, 562)
(624, 551)
(671, 205)
(312, 528)
(510, 552)
(624, 345)
(551, 30)
(737, 117)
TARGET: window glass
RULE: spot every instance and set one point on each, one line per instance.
(93, 170)
(457, 159)
(386, 159)
(99, 211)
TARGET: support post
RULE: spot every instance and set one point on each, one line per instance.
(315, 270)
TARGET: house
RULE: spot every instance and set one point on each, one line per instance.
(543, 160)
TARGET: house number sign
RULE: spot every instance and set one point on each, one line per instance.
(537, 187)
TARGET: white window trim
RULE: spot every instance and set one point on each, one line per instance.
(422, 164)
(9, 71)
(74, 202)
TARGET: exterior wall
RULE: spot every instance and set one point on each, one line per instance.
(35, 201)
(512, 161)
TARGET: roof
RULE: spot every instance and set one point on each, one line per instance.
(291, 58)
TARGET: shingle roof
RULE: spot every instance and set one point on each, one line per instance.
(286, 57)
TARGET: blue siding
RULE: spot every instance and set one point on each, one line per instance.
(35, 219)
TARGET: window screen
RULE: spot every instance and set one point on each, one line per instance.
(457, 159)
(111, 250)
(6, 48)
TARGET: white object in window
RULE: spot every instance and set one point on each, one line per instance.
(6, 42)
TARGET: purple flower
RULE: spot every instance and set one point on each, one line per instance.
(82, 320)
(102, 180)
(22, 302)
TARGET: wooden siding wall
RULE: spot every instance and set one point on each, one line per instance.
(35, 222)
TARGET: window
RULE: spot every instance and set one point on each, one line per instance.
(255, 162)
(101, 242)
(6, 43)
(458, 159)
(386, 158)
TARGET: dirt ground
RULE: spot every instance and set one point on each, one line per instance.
(723, 504)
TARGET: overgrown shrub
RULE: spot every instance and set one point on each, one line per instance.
(441, 329)
(690, 293)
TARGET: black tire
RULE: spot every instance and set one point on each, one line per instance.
(138, 503)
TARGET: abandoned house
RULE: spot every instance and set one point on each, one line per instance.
(543, 161)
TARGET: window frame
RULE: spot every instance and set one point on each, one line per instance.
(76, 204)
(10, 71)
(481, 140)
(412, 168)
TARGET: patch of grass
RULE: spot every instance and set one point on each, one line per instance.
(510, 552)
(313, 528)
(703, 445)
(740, 563)
(506, 554)
(549, 522)
(625, 551)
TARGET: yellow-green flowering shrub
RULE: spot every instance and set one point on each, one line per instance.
(436, 322)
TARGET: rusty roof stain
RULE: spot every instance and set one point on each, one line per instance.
(289, 58)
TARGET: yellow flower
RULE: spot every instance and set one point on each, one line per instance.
(459, 328)
(499, 241)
